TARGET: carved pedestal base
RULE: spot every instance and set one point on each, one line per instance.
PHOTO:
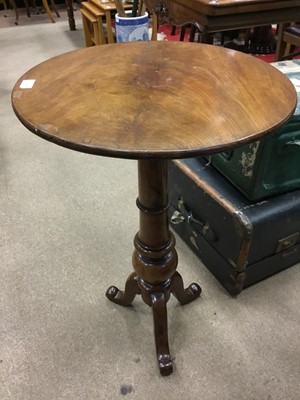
(156, 296)
(155, 259)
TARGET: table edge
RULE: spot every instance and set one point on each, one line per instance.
(145, 154)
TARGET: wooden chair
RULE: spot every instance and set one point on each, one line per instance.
(45, 5)
(15, 8)
(4, 5)
(288, 40)
(48, 11)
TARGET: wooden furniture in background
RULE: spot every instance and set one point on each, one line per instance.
(45, 5)
(92, 24)
(223, 15)
(147, 116)
(3, 2)
(97, 18)
(70, 11)
(48, 11)
(97, 21)
(288, 40)
(46, 8)
(106, 10)
(15, 8)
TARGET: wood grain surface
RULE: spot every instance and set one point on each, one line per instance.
(153, 99)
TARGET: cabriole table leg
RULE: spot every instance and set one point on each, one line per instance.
(155, 258)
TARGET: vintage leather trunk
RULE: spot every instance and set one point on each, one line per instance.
(240, 242)
(270, 166)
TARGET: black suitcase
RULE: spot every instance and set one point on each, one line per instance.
(240, 242)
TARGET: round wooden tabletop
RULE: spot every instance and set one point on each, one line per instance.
(153, 99)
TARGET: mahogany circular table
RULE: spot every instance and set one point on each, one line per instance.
(153, 101)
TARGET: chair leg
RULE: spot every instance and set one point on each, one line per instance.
(48, 11)
(154, 26)
(281, 45)
(192, 33)
(182, 33)
(27, 8)
(173, 30)
(290, 48)
(14, 6)
(141, 8)
(53, 5)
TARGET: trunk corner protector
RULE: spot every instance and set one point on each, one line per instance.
(244, 228)
(243, 225)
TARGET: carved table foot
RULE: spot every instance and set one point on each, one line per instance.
(124, 298)
(184, 296)
(156, 296)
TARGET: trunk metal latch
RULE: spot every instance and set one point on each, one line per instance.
(185, 215)
(287, 242)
